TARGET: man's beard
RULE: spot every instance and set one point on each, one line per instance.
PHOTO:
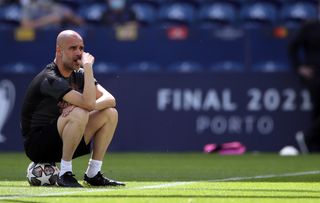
(71, 67)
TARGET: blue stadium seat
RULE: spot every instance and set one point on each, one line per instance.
(143, 66)
(227, 66)
(92, 13)
(259, 14)
(18, 67)
(176, 14)
(293, 14)
(10, 15)
(106, 67)
(271, 66)
(217, 14)
(185, 67)
(145, 13)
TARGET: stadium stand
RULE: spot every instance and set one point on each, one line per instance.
(145, 13)
(258, 14)
(176, 13)
(246, 13)
(92, 13)
(293, 14)
(217, 14)
(195, 14)
(10, 15)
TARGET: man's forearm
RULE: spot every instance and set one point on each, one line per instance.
(89, 91)
(105, 102)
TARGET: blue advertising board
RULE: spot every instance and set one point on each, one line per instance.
(182, 112)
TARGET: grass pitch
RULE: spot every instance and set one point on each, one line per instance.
(183, 177)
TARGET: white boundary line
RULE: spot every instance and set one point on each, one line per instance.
(164, 185)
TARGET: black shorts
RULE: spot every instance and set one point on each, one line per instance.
(44, 144)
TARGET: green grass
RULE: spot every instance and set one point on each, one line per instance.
(181, 177)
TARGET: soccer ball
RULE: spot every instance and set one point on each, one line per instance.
(42, 174)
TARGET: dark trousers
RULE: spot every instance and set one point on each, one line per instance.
(313, 135)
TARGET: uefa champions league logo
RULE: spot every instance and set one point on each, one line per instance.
(7, 98)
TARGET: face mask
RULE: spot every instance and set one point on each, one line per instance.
(117, 4)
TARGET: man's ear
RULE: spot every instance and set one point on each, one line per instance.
(58, 50)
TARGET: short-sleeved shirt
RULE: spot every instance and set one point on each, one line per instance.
(43, 102)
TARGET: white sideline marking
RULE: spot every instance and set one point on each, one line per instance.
(165, 185)
(267, 176)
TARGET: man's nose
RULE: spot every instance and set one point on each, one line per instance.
(79, 52)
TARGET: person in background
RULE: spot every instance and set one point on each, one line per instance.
(304, 53)
(46, 14)
(118, 14)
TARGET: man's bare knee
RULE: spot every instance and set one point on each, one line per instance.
(111, 115)
(79, 115)
(77, 118)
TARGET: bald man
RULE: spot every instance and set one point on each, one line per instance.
(67, 114)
